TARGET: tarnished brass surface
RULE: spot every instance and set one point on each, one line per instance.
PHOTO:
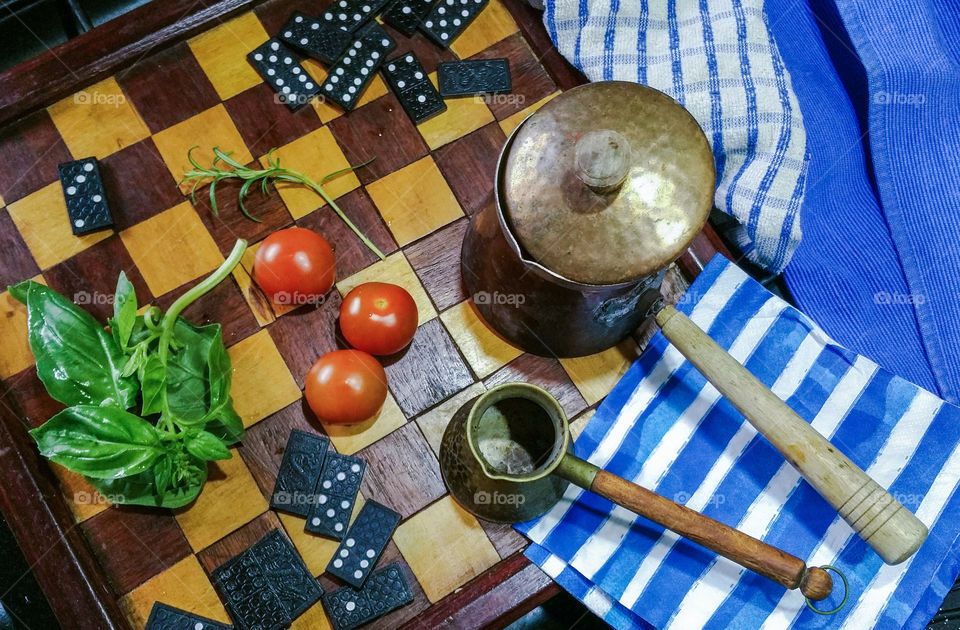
(558, 197)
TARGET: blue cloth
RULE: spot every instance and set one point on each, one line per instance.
(879, 267)
(666, 428)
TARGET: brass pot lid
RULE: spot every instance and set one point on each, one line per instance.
(608, 182)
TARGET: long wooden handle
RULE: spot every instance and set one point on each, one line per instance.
(888, 527)
(731, 543)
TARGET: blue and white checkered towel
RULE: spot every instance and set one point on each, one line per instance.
(666, 428)
(717, 59)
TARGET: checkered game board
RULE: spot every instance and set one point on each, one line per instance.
(414, 201)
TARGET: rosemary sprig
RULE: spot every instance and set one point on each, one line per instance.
(266, 176)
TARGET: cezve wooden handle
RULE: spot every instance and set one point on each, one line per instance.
(888, 527)
(745, 550)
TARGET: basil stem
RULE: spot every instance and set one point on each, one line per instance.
(182, 302)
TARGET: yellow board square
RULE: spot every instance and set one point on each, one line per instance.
(316, 155)
(394, 269)
(83, 499)
(316, 551)
(229, 499)
(510, 123)
(208, 129)
(172, 248)
(493, 24)
(98, 121)
(427, 538)
(484, 349)
(462, 116)
(578, 424)
(16, 355)
(596, 374)
(434, 422)
(350, 438)
(262, 384)
(415, 200)
(222, 53)
(259, 303)
(41, 217)
(184, 585)
(315, 618)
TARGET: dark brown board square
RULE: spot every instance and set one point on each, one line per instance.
(436, 260)
(168, 87)
(402, 472)
(470, 164)
(30, 150)
(303, 335)
(223, 305)
(16, 261)
(138, 184)
(428, 371)
(134, 544)
(265, 123)
(380, 130)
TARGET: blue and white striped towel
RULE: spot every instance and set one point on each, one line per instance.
(717, 59)
(666, 428)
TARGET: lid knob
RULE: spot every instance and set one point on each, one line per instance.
(602, 159)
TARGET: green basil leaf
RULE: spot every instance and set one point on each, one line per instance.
(139, 332)
(152, 381)
(226, 425)
(206, 446)
(99, 442)
(141, 489)
(188, 382)
(162, 473)
(77, 361)
(135, 362)
(124, 311)
(219, 370)
(222, 419)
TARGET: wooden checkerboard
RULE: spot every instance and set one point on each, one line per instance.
(414, 201)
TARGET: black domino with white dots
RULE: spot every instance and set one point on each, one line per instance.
(318, 39)
(349, 15)
(84, 195)
(417, 95)
(336, 493)
(364, 542)
(280, 68)
(406, 15)
(449, 18)
(351, 74)
(386, 590)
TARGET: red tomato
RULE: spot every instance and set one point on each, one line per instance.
(346, 386)
(294, 266)
(378, 318)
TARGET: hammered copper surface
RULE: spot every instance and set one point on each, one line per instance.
(591, 234)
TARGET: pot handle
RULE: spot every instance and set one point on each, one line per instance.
(756, 555)
(882, 521)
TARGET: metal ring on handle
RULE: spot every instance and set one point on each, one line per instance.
(846, 593)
